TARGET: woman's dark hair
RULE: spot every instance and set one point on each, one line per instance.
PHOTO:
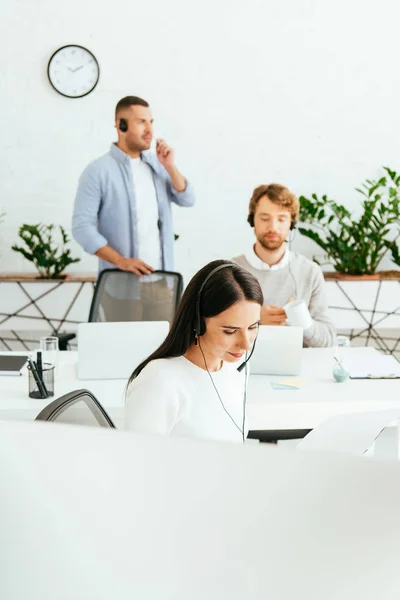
(224, 288)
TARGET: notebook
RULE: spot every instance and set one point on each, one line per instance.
(12, 365)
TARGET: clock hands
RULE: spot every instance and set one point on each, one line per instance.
(74, 70)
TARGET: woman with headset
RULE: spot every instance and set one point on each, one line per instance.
(192, 386)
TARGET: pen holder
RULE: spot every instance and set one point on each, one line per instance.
(47, 378)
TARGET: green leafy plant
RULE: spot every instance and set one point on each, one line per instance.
(49, 257)
(357, 246)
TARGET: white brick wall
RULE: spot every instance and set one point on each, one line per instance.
(301, 92)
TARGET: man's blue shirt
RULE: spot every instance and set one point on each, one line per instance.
(105, 207)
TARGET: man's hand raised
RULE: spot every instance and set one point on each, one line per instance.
(165, 154)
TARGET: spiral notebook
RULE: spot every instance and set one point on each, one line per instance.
(12, 365)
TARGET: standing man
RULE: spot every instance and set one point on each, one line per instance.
(122, 211)
(284, 275)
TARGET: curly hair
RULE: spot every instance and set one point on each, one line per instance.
(278, 194)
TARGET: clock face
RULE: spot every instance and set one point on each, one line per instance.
(73, 71)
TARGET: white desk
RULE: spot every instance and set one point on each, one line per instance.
(267, 409)
(319, 398)
(16, 404)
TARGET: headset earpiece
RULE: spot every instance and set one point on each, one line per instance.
(199, 325)
(123, 125)
(293, 225)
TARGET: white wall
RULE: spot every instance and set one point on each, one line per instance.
(299, 91)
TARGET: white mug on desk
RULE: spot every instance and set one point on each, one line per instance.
(298, 314)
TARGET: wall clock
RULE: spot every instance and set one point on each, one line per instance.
(73, 71)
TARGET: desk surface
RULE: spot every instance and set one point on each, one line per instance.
(16, 404)
(319, 398)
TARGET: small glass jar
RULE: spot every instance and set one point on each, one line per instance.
(340, 372)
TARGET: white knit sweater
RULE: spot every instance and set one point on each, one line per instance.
(300, 278)
(174, 397)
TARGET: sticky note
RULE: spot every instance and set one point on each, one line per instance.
(279, 386)
(293, 382)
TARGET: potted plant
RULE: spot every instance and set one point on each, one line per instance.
(356, 246)
(49, 256)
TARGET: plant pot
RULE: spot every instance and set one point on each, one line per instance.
(61, 277)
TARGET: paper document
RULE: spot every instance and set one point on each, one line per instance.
(379, 366)
(352, 433)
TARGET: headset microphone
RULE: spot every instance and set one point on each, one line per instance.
(199, 330)
(242, 366)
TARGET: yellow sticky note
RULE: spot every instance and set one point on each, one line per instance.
(293, 382)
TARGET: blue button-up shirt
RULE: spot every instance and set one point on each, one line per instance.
(105, 207)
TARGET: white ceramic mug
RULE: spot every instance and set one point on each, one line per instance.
(298, 314)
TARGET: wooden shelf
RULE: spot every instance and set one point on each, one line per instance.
(33, 278)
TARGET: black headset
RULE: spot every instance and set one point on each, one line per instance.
(250, 220)
(199, 323)
(123, 125)
(200, 329)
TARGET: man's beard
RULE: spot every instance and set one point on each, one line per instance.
(138, 147)
(271, 244)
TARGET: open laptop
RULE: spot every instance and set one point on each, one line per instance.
(114, 350)
(277, 351)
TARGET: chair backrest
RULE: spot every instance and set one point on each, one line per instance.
(123, 296)
(76, 408)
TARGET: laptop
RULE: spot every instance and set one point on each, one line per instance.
(113, 350)
(278, 351)
(12, 365)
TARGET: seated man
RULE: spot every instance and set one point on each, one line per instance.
(284, 275)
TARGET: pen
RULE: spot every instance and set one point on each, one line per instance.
(41, 387)
(39, 364)
(339, 362)
(39, 367)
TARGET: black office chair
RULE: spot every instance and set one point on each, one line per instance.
(76, 408)
(123, 296)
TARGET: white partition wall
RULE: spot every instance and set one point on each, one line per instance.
(103, 514)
